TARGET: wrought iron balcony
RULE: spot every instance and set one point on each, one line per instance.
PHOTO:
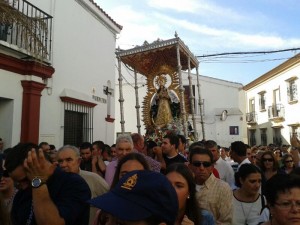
(276, 112)
(251, 117)
(25, 28)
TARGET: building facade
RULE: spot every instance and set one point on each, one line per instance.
(272, 110)
(57, 72)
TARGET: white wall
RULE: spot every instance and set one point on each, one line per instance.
(83, 55)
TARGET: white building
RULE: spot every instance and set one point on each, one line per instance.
(217, 96)
(272, 105)
(57, 76)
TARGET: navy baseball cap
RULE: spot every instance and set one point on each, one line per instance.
(140, 195)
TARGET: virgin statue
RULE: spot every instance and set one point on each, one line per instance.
(163, 102)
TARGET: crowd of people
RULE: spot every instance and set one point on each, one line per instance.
(137, 182)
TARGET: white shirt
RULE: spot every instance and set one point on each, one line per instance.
(226, 172)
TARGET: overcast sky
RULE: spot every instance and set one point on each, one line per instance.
(214, 26)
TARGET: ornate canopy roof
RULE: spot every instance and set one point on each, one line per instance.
(149, 58)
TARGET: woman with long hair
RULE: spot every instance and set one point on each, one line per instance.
(288, 164)
(130, 162)
(189, 211)
(247, 201)
(269, 164)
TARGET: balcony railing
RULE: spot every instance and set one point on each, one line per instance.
(251, 117)
(276, 111)
(25, 28)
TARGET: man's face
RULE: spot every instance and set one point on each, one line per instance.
(166, 146)
(181, 146)
(249, 153)
(233, 156)
(96, 150)
(86, 154)
(19, 176)
(68, 161)
(6, 184)
(203, 171)
(113, 152)
(46, 148)
(215, 153)
(123, 148)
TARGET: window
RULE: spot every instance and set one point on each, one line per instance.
(292, 90)
(277, 136)
(252, 137)
(262, 101)
(263, 137)
(78, 124)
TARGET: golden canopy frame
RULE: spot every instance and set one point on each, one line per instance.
(151, 60)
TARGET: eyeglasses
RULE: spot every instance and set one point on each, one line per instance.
(288, 161)
(288, 205)
(267, 159)
(253, 156)
(199, 163)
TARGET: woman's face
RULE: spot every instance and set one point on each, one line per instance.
(251, 183)
(268, 161)
(129, 166)
(289, 162)
(286, 210)
(181, 186)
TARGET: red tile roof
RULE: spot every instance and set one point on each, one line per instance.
(114, 22)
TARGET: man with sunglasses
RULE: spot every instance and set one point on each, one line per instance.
(213, 194)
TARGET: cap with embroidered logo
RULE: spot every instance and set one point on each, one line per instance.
(140, 195)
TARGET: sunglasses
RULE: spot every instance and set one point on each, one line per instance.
(267, 159)
(288, 161)
(199, 163)
(4, 174)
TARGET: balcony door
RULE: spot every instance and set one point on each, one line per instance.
(251, 105)
(277, 101)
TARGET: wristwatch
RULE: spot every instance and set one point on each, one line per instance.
(37, 182)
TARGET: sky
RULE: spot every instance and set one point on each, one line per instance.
(213, 27)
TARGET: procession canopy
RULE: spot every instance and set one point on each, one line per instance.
(158, 62)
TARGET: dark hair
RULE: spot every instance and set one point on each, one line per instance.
(244, 171)
(200, 151)
(182, 138)
(174, 140)
(99, 144)
(107, 149)
(131, 156)
(113, 146)
(285, 158)
(192, 208)
(86, 145)
(136, 138)
(239, 148)
(52, 147)
(275, 163)
(280, 183)
(211, 144)
(43, 143)
(199, 144)
(16, 156)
